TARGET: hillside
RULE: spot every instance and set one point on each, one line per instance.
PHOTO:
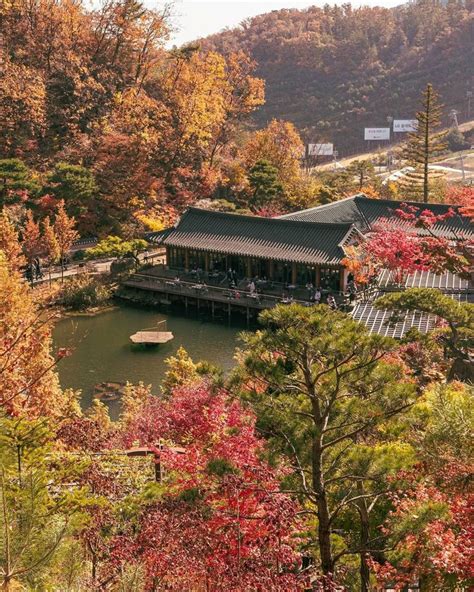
(333, 70)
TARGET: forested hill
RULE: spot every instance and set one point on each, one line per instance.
(334, 70)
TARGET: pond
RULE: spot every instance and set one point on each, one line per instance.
(102, 351)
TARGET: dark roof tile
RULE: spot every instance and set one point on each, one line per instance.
(365, 212)
(265, 238)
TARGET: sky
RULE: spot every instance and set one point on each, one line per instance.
(197, 18)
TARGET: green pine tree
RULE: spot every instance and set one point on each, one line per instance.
(263, 179)
(423, 144)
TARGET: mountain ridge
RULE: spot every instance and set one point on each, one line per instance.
(334, 70)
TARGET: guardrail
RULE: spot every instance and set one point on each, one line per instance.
(210, 292)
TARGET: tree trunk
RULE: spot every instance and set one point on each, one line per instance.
(324, 523)
(426, 188)
(364, 541)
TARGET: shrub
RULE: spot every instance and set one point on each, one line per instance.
(83, 292)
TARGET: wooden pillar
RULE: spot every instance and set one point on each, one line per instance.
(318, 277)
(270, 269)
(248, 264)
(293, 273)
(206, 261)
(186, 260)
(341, 279)
(212, 308)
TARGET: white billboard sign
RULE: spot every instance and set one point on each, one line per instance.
(405, 125)
(320, 149)
(377, 133)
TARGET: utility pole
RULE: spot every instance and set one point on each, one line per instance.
(389, 151)
(454, 119)
(469, 95)
(335, 155)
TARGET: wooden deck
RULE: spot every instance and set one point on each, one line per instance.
(200, 295)
(151, 337)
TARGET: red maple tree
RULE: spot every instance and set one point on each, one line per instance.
(408, 242)
(218, 521)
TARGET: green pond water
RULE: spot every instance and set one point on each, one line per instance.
(102, 350)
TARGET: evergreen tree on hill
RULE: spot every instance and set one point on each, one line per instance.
(423, 144)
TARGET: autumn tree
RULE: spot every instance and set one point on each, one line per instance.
(424, 143)
(429, 529)
(280, 145)
(407, 242)
(320, 385)
(221, 520)
(463, 196)
(32, 241)
(22, 105)
(243, 94)
(363, 171)
(65, 233)
(9, 243)
(114, 246)
(28, 383)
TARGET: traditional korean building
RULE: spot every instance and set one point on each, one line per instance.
(286, 254)
(305, 246)
(280, 250)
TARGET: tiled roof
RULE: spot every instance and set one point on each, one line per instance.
(364, 212)
(447, 282)
(378, 320)
(265, 238)
(344, 211)
(158, 236)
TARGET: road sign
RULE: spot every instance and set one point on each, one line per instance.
(377, 133)
(320, 149)
(405, 125)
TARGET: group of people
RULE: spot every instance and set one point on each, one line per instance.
(315, 293)
(33, 270)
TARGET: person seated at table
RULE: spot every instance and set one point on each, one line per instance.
(317, 296)
(251, 287)
(332, 302)
(309, 287)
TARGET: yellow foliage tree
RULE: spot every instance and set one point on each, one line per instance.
(29, 385)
